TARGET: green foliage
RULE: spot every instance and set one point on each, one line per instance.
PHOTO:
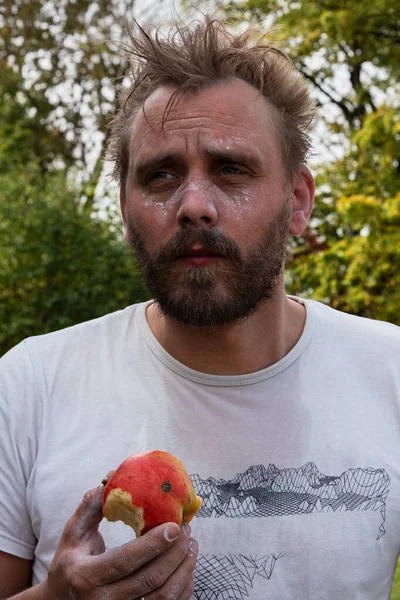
(60, 261)
(59, 265)
(323, 37)
(395, 595)
(350, 257)
(370, 164)
(349, 52)
(58, 69)
(354, 264)
(358, 273)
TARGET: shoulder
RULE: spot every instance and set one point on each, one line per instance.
(353, 330)
(103, 329)
(78, 342)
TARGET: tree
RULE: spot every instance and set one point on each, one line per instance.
(349, 52)
(59, 264)
(59, 65)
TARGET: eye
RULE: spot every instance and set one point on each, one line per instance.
(161, 175)
(231, 170)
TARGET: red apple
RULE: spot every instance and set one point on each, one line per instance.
(148, 489)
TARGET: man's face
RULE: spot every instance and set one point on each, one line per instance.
(207, 208)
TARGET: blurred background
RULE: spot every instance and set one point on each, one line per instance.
(62, 256)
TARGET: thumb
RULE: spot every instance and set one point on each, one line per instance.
(86, 517)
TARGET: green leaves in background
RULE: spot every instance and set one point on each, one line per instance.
(59, 65)
(349, 52)
(350, 255)
(59, 264)
(62, 261)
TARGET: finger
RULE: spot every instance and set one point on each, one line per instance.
(86, 517)
(180, 583)
(166, 575)
(124, 560)
(186, 594)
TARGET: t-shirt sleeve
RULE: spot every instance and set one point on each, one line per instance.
(20, 418)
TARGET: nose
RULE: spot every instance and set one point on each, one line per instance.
(197, 208)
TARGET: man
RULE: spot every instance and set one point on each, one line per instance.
(285, 412)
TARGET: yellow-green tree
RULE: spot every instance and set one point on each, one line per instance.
(350, 256)
(349, 52)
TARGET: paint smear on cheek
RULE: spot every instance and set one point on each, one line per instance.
(151, 202)
(235, 204)
(239, 203)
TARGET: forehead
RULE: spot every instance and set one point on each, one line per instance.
(231, 111)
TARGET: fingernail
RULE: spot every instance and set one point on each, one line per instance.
(186, 529)
(193, 545)
(168, 533)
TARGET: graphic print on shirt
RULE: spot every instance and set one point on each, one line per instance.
(217, 576)
(272, 492)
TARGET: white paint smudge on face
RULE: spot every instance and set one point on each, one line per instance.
(203, 188)
(151, 201)
(193, 187)
(211, 193)
(235, 205)
(229, 142)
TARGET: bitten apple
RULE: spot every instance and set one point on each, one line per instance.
(148, 489)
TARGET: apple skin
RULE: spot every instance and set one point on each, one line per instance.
(148, 489)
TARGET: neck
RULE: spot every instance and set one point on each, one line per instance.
(245, 347)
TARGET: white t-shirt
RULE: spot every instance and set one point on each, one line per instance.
(298, 464)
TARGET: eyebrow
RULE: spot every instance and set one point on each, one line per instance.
(235, 156)
(146, 166)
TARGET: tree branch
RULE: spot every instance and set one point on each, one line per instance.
(346, 111)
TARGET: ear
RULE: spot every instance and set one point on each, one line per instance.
(122, 205)
(302, 200)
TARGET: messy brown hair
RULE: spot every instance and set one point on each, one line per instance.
(193, 57)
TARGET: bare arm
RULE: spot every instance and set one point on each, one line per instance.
(15, 574)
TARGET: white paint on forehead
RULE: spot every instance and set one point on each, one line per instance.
(232, 142)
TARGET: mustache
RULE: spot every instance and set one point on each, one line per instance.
(182, 241)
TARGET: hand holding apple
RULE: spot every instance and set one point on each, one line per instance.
(159, 563)
(148, 489)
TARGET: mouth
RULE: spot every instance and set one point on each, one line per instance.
(198, 256)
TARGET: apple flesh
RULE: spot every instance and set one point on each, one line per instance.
(148, 489)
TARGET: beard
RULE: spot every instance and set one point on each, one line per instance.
(228, 291)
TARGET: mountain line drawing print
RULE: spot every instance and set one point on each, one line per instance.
(272, 492)
(230, 577)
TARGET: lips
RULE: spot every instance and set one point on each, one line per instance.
(199, 255)
(198, 251)
(201, 252)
